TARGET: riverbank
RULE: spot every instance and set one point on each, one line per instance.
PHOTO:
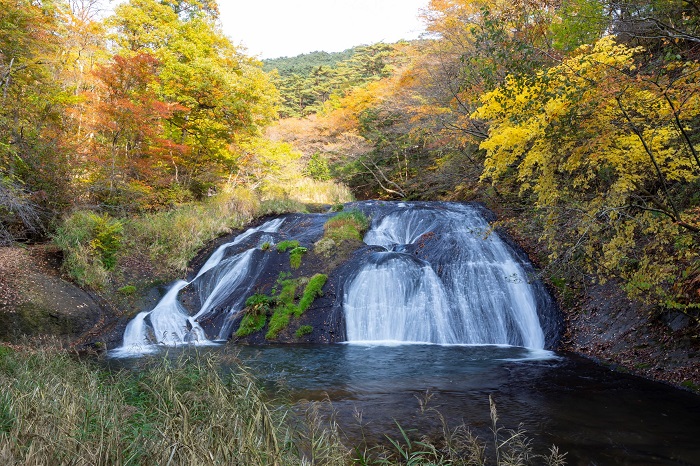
(603, 324)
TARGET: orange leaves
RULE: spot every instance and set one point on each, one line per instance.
(130, 120)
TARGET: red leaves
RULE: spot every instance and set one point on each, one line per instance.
(132, 120)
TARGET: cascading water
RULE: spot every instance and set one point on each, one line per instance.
(169, 324)
(430, 272)
(444, 278)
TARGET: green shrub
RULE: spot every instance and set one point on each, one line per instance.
(259, 303)
(286, 296)
(284, 246)
(353, 215)
(342, 232)
(284, 309)
(317, 168)
(304, 330)
(279, 321)
(282, 305)
(90, 243)
(255, 318)
(295, 256)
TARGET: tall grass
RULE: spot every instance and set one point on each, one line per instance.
(320, 192)
(57, 410)
(171, 238)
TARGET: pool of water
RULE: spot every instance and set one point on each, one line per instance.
(598, 416)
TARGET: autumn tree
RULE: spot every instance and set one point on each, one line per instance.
(130, 152)
(34, 178)
(607, 155)
(221, 96)
(477, 44)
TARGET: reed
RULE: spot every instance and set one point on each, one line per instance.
(57, 410)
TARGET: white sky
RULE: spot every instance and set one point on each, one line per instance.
(278, 28)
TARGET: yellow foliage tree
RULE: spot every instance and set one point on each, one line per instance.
(607, 154)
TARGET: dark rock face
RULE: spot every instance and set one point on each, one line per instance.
(36, 301)
(250, 263)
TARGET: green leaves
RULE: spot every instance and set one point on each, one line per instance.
(220, 96)
(309, 82)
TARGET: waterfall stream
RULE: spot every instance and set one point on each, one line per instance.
(169, 324)
(444, 277)
(430, 272)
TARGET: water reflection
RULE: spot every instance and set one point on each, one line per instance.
(598, 416)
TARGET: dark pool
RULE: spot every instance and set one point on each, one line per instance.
(598, 416)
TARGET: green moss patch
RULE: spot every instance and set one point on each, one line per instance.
(303, 330)
(281, 305)
(286, 245)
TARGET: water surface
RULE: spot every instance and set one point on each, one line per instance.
(598, 416)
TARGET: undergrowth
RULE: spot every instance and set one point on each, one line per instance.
(98, 249)
(91, 243)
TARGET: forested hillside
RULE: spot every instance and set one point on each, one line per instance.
(308, 83)
(305, 63)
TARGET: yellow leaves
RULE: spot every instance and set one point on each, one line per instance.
(508, 143)
(615, 144)
(559, 129)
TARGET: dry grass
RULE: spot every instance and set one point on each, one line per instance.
(59, 411)
(172, 238)
(320, 192)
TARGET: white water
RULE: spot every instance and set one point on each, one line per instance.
(441, 278)
(271, 226)
(397, 299)
(169, 324)
(460, 285)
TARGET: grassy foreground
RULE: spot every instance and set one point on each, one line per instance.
(58, 410)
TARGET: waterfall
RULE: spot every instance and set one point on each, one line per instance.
(430, 272)
(394, 297)
(169, 324)
(443, 278)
